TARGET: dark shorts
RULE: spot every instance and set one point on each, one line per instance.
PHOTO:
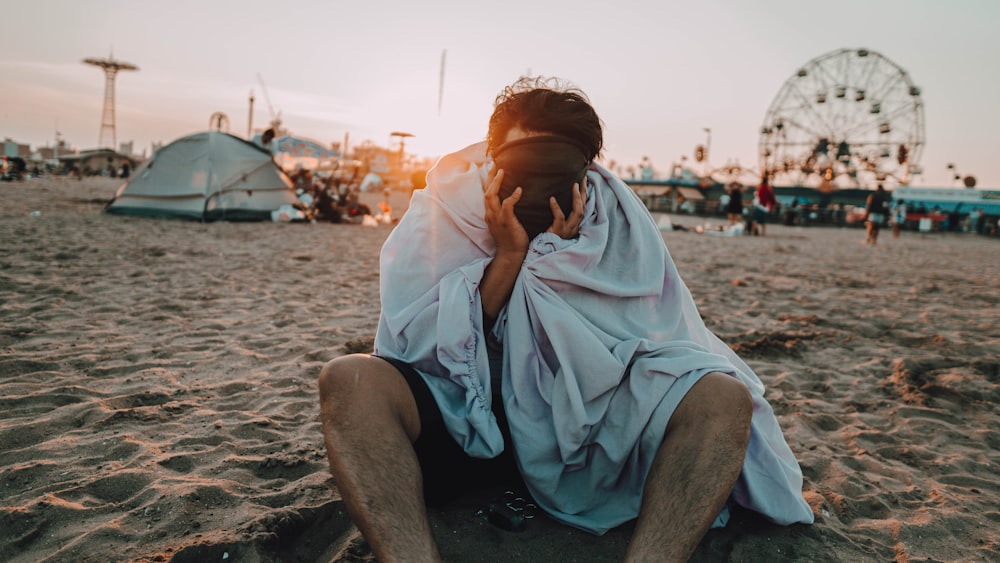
(760, 215)
(448, 471)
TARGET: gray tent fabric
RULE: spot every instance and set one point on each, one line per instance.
(206, 176)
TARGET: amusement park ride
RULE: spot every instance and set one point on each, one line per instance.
(111, 68)
(849, 118)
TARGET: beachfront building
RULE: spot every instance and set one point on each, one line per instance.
(933, 209)
(97, 162)
(928, 209)
(13, 148)
(950, 199)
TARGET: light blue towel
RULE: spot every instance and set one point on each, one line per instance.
(601, 342)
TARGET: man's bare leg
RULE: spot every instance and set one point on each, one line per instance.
(370, 421)
(694, 470)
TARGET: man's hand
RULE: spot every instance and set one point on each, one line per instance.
(509, 235)
(512, 246)
(569, 227)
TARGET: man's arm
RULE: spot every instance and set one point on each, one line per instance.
(512, 246)
(512, 241)
(497, 284)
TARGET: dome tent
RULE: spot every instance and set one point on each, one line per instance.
(206, 176)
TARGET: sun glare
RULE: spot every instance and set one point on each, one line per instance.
(462, 119)
(439, 136)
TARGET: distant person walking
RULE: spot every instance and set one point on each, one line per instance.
(734, 208)
(763, 202)
(876, 208)
(971, 222)
(898, 217)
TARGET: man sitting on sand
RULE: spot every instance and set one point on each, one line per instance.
(534, 327)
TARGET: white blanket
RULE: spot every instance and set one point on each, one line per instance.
(601, 341)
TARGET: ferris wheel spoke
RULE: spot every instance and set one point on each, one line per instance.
(830, 85)
(852, 122)
(827, 74)
(845, 70)
(813, 132)
(895, 114)
(807, 104)
(869, 69)
(870, 123)
(882, 94)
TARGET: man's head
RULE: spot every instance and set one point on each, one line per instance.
(544, 136)
(544, 166)
(545, 106)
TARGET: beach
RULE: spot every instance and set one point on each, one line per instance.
(158, 393)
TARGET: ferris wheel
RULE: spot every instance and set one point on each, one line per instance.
(219, 122)
(850, 117)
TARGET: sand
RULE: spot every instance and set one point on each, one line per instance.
(158, 394)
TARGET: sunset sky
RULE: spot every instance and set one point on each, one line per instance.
(658, 72)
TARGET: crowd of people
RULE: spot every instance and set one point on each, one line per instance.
(332, 199)
(752, 219)
(755, 207)
(14, 168)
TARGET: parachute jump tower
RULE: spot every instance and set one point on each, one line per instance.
(111, 68)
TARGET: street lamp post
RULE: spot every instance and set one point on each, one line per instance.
(955, 176)
(402, 147)
(708, 146)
